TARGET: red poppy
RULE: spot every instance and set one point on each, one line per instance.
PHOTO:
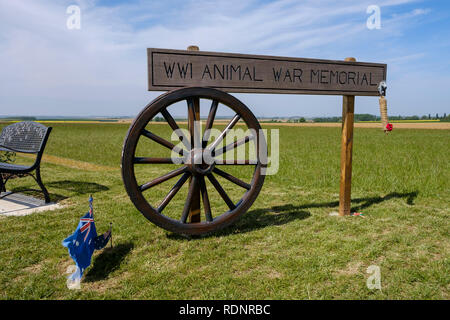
(389, 127)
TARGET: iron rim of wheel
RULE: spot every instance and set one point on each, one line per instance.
(198, 177)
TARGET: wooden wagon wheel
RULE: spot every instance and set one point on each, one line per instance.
(193, 165)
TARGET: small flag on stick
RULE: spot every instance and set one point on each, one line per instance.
(82, 243)
(101, 241)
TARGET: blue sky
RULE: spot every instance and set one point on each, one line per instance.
(100, 69)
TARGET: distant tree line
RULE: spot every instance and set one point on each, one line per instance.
(297, 120)
(158, 119)
(357, 117)
(22, 118)
(424, 117)
(371, 117)
(327, 119)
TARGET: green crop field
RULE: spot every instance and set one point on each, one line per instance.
(287, 246)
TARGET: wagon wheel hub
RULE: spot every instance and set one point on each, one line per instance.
(196, 163)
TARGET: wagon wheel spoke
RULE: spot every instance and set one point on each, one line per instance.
(206, 204)
(233, 145)
(222, 192)
(173, 191)
(163, 142)
(163, 178)
(192, 189)
(172, 123)
(194, 130)
(232, 178)
(147, 160)
(209, 122)
(224, 132)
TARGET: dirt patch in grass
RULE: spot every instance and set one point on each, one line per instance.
(273, 274)
(101, 286)
(267, 272)
(34, 268)
(70, 163)
(64, 265)
(352, 268)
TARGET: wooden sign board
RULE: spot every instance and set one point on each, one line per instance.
(171, 69)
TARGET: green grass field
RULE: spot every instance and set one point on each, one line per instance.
(285, 247)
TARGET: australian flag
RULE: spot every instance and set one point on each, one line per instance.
(84, 241)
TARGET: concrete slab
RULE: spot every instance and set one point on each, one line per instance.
(17, 204)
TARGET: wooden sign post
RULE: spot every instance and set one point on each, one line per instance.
(172, 69)
(348, 107)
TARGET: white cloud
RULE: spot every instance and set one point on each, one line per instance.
(101, 69)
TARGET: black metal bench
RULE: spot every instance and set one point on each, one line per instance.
(24, 137)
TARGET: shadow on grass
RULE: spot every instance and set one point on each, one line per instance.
(35, 193)
(262, 218)
(367, 202)
(279, 215)
(252, 220)
(78, 187)
(358, 203)
(108, 261)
